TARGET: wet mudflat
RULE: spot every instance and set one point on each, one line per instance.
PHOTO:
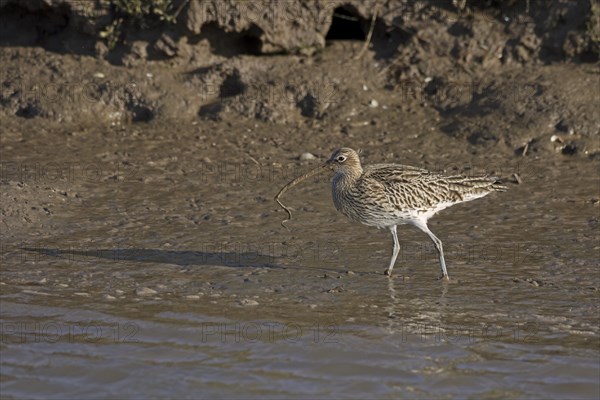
(158, 267)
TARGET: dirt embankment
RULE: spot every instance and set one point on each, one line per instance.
(519, 74)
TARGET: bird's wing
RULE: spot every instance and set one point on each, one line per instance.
(419, 189)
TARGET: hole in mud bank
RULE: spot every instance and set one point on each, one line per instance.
(232, 86)
(23, 27)
(347, 25)
(29, 111)
(308, 106)
(588, 57)
(211, 111)
(141, 114)
(230, 44)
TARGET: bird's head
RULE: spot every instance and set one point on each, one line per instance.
(345, 161)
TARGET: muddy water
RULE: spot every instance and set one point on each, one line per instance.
(158, 267)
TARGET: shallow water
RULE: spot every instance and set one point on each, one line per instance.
(240, 307)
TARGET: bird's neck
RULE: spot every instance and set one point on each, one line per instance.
(347, 179)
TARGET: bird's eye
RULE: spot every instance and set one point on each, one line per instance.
(341, 158)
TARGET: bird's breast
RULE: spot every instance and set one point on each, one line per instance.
(359, 202)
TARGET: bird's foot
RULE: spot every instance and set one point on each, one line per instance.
(388, 272)
(444, 277)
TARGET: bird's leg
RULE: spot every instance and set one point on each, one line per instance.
(388, 271)
(438, 245)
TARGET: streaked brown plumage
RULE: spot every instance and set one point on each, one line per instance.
(387, 195)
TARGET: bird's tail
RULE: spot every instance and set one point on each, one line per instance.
(474, 187)
(489, 183)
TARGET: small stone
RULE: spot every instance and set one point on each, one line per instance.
(350, 273)
(63, 285)
(82, 294)
(109, 297)
(313, 306)
(556, 138)
(248, 302)
(192, 297)
(119, 292)
(307, 157)
(373, 103)
(99, 75)
(523, 53)
(145, 291)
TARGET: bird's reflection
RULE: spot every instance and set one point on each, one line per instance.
(407, 312)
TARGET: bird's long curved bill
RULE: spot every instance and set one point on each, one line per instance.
(293, 183)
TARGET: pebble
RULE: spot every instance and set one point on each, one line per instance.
(248, 302)
(534, 282)
(109, 297)
(307, 157)
(556, 138)
(119, 292)
(313, 306)
(373, 103)
(63, 285)
(145, 291)
(82, 294)
(350, 273)
(192, 297)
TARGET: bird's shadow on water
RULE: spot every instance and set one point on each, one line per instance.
(174, 257)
